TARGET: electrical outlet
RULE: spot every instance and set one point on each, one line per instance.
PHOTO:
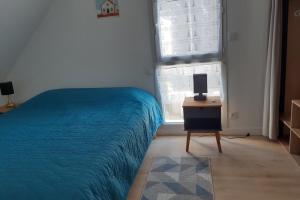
(234, 115)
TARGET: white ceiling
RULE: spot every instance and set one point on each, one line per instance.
(18, 20)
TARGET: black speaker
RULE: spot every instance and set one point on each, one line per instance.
(200, 86)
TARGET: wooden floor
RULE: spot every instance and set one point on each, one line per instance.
(249, 169)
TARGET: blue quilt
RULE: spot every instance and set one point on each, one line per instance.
(76, 144)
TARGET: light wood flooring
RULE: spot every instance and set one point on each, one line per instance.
(249, 169)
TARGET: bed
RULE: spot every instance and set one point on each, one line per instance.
(76, 144)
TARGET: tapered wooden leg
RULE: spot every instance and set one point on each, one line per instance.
(188, 138)
(218, 138)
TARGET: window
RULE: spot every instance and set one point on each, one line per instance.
(176, 83)
(189, 40)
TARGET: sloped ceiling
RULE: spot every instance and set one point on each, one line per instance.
(18, 20)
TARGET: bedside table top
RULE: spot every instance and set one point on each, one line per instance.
(210, 102)
(4, 109)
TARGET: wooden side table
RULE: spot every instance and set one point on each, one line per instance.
(4, 109)
(202, 117)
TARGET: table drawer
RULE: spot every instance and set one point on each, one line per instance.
(205, 124)
(191, 112)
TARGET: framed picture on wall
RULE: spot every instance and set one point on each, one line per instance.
(107, 8)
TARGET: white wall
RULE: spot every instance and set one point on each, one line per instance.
(18, 20)
(247, 32)
(72, 48)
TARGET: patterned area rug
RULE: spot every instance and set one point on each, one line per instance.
(183, 178)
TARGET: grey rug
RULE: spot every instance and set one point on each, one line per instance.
(182, 178)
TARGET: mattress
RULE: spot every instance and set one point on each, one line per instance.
(76, 144)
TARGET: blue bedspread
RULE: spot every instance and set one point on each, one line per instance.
(76, 144)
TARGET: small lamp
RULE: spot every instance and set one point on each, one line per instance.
(7, 89)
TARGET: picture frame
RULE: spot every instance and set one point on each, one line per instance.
(107, 8)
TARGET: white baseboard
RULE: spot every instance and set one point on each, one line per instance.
(178, 130)
(242, 131)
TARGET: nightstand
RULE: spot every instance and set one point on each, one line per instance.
(4, 109)
(202, 117)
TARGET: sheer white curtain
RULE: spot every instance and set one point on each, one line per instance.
(176, 83)
(188, 30)
(272, 78)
